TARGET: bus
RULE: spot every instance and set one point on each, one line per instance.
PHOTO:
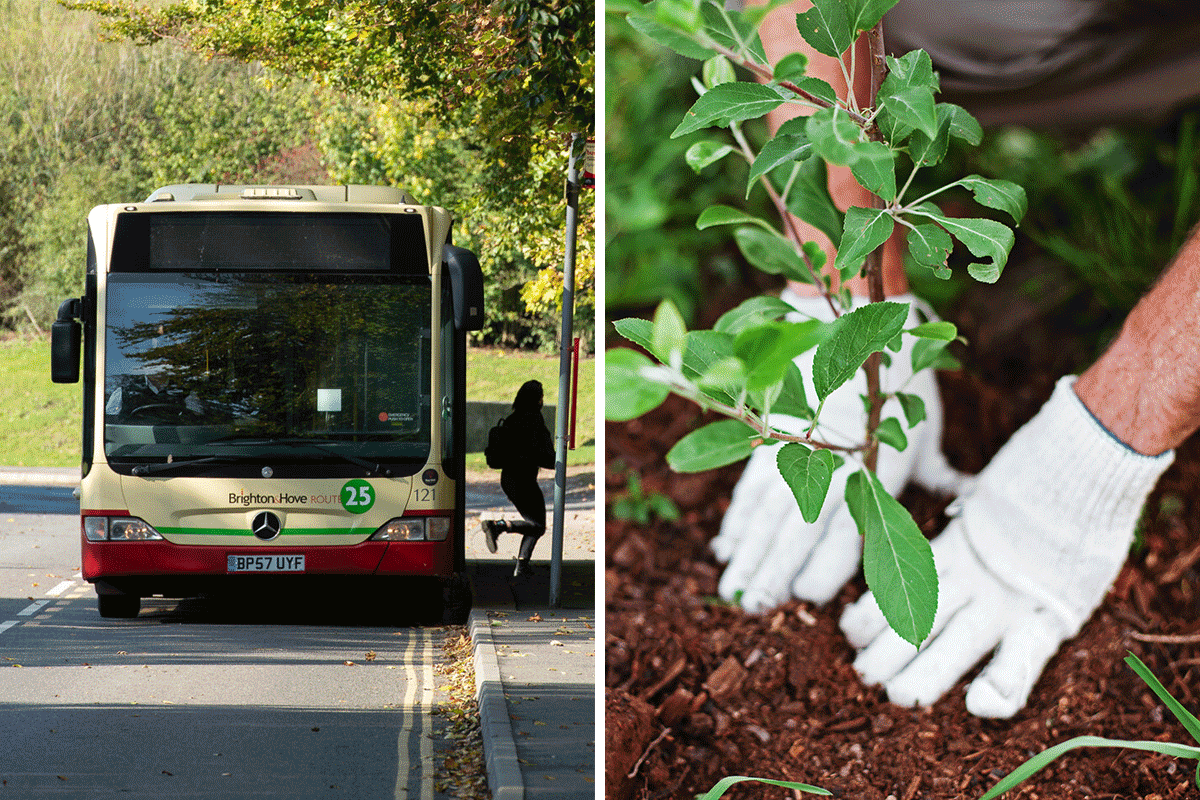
(273, 390)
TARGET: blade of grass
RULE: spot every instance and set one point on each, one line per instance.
(1185, 717)
(723, 785)
(1043, 758)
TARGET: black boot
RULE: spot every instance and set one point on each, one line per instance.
(523, 569)
(492, 528)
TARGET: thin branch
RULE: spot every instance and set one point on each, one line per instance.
(789, 222)
(874, 265)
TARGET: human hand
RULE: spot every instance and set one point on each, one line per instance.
(771, 551)
(1030, 555)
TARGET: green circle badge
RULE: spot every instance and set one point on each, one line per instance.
(358, 496)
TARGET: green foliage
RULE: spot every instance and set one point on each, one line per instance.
(517, 233)
(83, 123)
(653, 250)
(638, 505)
(745, 368)
(512, 67)
(1185, 718)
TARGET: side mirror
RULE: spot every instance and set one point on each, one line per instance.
(466, 287)
(65, 335)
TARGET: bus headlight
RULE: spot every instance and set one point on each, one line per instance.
(118, 529)
(414, 529)
(438, 530)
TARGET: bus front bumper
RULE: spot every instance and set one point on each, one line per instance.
(154, 563)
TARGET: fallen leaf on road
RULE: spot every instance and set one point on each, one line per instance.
(536, 617)
(370, 655)
(348, 663)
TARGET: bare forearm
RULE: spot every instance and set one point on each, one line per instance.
(1146, 387)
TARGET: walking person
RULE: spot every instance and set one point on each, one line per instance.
(530, 447)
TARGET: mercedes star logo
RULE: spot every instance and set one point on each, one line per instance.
(266, 526)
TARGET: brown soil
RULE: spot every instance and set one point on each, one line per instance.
(698, 690)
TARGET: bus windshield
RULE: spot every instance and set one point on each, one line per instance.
(304, 368)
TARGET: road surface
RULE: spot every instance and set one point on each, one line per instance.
(269, 696)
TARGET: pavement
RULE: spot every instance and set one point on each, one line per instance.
(535, 665)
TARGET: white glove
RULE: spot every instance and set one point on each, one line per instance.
(1036, 545)
(772, 552)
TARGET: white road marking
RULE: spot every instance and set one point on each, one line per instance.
(57, 591)
(33, 608)
(6, 625)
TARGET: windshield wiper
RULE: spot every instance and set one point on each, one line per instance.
(373, 467)
(176, 463)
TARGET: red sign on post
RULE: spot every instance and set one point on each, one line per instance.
(588, 180)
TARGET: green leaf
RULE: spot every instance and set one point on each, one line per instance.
(999, 194)
(732, 30)
(913, 106)
(926, 150)
(791, 67)
(816, 87)
(890, 433)
(826, 27)
(669, 333)
(769, 349)
(963, 125)
(626, 393)
(717, 70)
(865, 13)
(776, 152)
(715, 445)
(807, 473)
(638, 331)
(793, 400)
(728, 215)
(855, 336)
(913, 69)
(668, 37)
(756, 310)
(865, 229)
(875, 168)
(809, 200)
(703, 154)
(771, 253)
(897, 560)
(913, 407)
(929, 245)
(935, 330)
(984, 238)
(834, 135)
(703, 350)
(932, 354)
(723, 785)
(1185, 717)
(1042, 759)
(729, 102)
(728, 375)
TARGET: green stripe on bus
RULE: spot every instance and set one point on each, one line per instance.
(233, 532)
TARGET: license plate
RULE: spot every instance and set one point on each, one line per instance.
(272, 563)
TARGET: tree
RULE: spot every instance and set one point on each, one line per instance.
(504, 83)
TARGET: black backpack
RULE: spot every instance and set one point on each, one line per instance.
(499, 448)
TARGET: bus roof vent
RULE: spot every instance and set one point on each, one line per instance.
(277, 193)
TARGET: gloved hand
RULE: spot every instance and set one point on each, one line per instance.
(1034, 548)
(772, 552)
